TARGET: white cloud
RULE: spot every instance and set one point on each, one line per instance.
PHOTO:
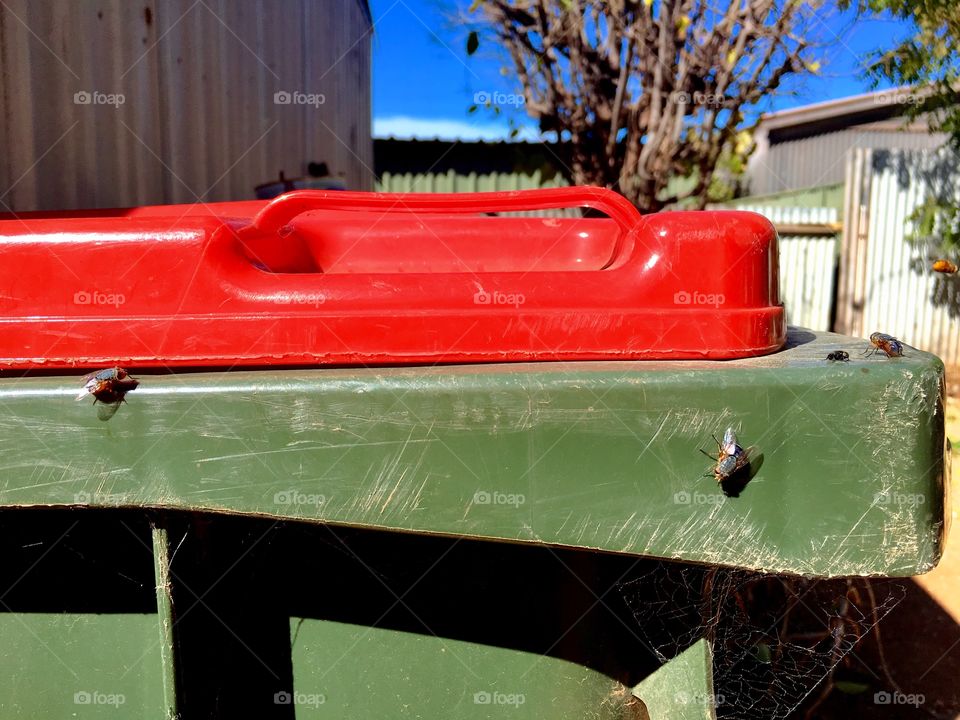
(409, 128)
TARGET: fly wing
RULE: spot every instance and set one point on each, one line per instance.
(89, 385)
(730, 444)
(751, 457)
(748, 455)
(105, 411)
(91, 381)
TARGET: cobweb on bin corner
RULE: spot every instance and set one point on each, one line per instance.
(774, 638)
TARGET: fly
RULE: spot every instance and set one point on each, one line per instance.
(108, 387)
(731, 457)
(888, 344)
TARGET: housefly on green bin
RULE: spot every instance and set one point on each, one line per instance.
(108, 387)
(734, 465)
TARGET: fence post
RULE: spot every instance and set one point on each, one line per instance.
(851, 284)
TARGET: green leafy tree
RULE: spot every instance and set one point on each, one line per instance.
(927, 60)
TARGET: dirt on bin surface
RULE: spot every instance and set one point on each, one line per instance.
(920, 641)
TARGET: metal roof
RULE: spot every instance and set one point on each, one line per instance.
(878, 108)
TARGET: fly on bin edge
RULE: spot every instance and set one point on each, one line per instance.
(108, 386)
(731, 458)
(887, 344)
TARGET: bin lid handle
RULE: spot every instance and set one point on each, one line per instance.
(284, 208)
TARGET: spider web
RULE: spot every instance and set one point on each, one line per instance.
(774, 638)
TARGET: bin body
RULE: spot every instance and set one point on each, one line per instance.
(406, 502)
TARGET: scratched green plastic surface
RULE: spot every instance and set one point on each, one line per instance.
(80, 665)
(344, 670)
(600, 455)
(383, 674)
(683, 688)
(164, 620)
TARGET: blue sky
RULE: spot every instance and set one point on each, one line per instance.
(424, 83)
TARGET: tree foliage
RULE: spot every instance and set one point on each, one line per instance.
(647, 91)
(927, 60)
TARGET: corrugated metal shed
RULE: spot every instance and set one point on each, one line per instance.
(451, 181)
(200, 116)
(819, 159)
(823, 196)
(886, 283)
(807, 264)
(805, 146)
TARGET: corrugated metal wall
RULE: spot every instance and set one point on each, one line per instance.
(824, 196)
(807, 264)
(879, 291)
(819, 159)
(450, 181)
(198, 80)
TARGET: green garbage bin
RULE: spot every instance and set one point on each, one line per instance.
(458, 541)
(418, 460)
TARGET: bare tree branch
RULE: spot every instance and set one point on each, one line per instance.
(649, 90)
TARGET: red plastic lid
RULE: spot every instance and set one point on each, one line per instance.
(368, 278)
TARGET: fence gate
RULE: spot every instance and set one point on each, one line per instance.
(885, 281)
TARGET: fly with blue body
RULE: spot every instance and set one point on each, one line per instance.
(108, 387)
